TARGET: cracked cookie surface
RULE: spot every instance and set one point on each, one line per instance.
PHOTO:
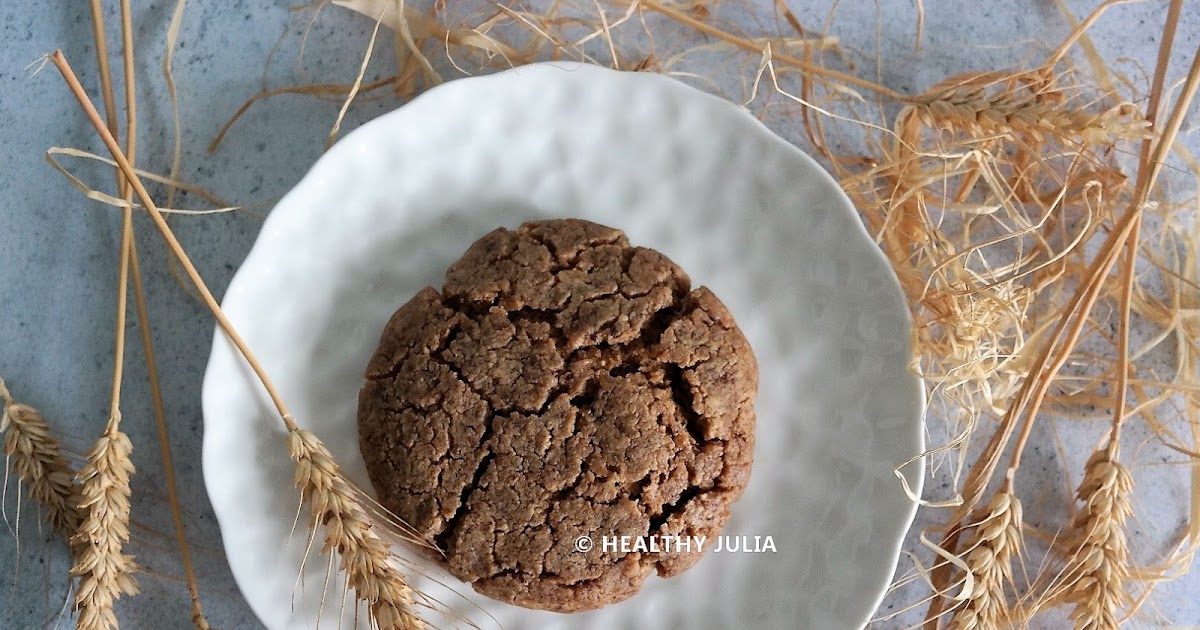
(562, 384)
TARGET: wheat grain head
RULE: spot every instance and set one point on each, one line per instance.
(990, 107)
(1099, 564)
(334, 503)
(36, 458)
(989, 553)
(105, 572)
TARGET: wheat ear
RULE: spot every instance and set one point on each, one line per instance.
(36, 457)
(334, 503)
(986, 111)
(1099, 561)
(989, 554)
(105, 572)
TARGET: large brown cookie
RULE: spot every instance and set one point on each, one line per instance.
(563, 384)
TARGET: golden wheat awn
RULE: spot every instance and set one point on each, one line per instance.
(350, 533)
(36, 457)
(105, 572)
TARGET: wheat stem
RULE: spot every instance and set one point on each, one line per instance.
(126, 218)
(106, 87)
(60, 62)
(126, 192)
(1128, 269)
(105, 572)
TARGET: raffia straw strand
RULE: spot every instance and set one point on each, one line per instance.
(357, 85)
(95, 195)
(340, 504)
(35, 455)
(747, 45)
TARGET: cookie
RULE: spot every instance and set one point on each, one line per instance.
(562, 384)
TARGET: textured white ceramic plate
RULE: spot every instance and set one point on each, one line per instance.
(383, 214)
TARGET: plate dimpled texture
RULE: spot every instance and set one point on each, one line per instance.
(385, 211)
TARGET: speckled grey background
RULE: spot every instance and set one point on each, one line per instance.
(58, 251)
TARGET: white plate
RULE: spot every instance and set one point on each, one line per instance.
(383, 214)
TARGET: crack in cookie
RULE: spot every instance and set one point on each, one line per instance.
(563, 383)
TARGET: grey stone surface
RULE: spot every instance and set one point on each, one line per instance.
(58, 251)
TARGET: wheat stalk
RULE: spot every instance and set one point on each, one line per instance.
(1100, 564)
(105, 572)
(334, 503)
(36, 457)
(332, 500)
(134, 271)
(989, 554)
